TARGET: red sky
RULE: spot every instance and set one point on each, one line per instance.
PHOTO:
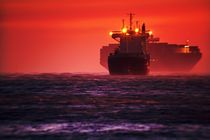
(66, 35)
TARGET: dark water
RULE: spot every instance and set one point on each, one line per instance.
(70, 106)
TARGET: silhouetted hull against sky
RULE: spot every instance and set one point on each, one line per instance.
(164, 57)
(127, 64)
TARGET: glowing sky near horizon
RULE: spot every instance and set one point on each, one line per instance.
(66, 36)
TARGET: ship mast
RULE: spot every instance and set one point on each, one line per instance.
(131, 20)
(123, 23)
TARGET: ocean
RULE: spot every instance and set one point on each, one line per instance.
(102, 107)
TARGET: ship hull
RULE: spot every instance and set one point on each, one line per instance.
(175, 62)
(162, 59)
(127, 65)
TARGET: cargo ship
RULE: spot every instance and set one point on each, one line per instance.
(137, 51)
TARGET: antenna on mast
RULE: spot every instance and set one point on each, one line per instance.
(137, 24)
(123, 23)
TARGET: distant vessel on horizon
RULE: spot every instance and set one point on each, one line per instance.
(139, 52)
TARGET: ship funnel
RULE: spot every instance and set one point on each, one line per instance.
(143, 28)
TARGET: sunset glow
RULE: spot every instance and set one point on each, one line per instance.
(66, 36)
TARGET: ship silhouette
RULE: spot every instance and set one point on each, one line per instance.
(138, 52)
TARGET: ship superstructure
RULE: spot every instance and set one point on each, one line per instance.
(154, 55)
(130, 56)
